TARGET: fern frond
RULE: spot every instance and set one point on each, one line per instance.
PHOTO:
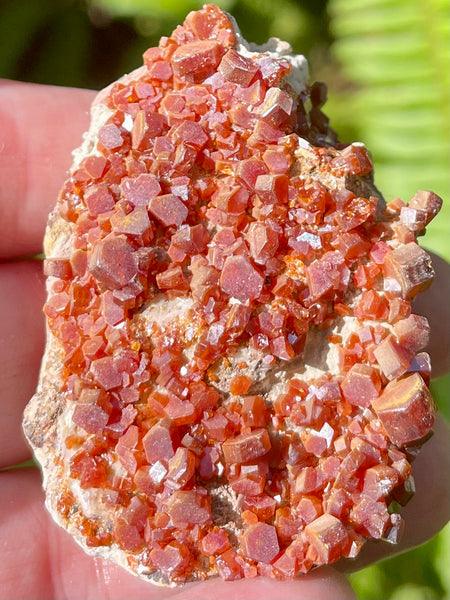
(396, 54)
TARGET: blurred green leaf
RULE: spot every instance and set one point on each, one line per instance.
(20, 21)
(439, 388)
(155, 8)
(23, 465)
(370, 583)
(408, 591)
(398, 64)
(440, 559)
(65, 30)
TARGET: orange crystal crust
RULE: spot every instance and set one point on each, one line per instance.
(196, 196)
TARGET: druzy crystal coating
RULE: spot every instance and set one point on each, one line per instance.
(215, 230)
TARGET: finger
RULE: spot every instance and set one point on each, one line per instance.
(322, 584)
(435, 306)
(22, 334)
(24, 559)
(58, 568)
(40, 127)
(38, 559)
(428, 511)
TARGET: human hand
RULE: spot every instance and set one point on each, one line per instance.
(39, 127)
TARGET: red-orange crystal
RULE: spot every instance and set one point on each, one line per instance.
(191, 198)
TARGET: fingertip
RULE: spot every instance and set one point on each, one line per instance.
(23, 337)
(41, 125)
(321, 584)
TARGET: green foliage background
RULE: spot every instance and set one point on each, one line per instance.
(386, 63)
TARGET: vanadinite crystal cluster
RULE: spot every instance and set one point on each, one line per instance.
(234, 382)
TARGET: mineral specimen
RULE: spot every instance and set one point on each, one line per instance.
(232, 382)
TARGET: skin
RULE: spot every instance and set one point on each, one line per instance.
(40, 125)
